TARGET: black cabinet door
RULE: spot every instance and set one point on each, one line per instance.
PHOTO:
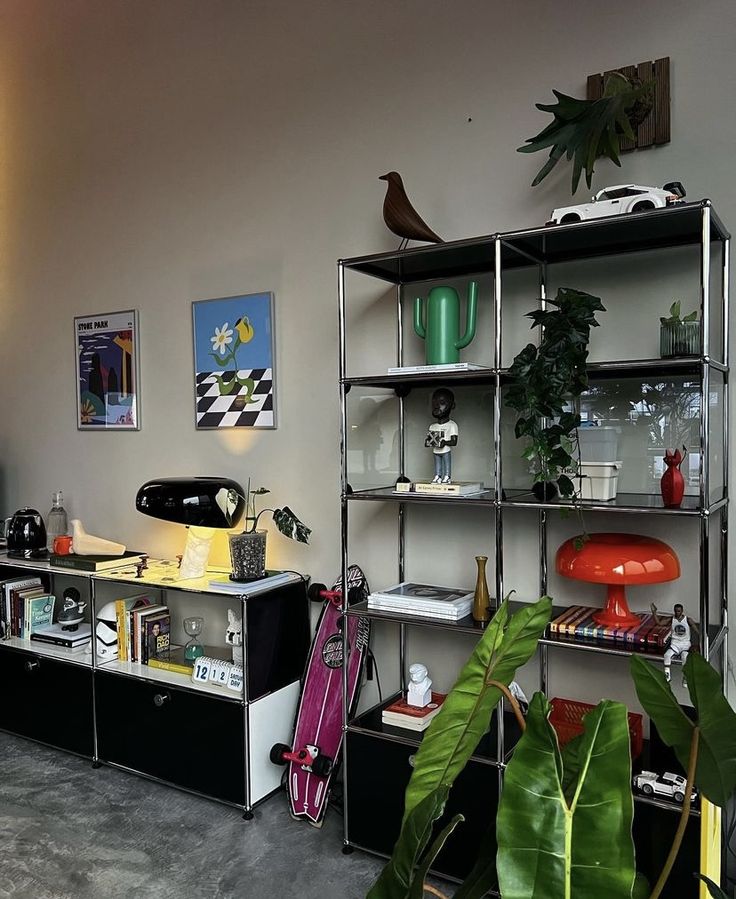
(378, 771)
(179, 736)
(47, 700)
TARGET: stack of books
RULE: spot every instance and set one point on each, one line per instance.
(428, 488)
(56, 635)
(94, 563)
(577, 623)
(424, 600)
(143, 628)
(411, 717)
(24, 607)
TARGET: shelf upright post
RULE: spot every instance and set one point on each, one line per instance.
(342, 357)
(93, 642)
(704, 475)
(498, 477)
(543, 649)
(402, 471)
(725, 297)
(248, 808)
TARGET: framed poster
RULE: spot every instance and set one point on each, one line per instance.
(234, 362)
(108, 382)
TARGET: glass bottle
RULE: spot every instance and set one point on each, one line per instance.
(57, 520)
(481, 598)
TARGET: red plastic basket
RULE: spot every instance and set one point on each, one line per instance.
(567, 719)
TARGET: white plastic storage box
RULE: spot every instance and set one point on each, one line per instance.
(598, 444)
(599, 481)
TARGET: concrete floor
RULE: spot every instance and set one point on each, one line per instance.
(68, 831)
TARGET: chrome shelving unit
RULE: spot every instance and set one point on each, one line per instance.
(691, 224)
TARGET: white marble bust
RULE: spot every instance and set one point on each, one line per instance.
(419, 688)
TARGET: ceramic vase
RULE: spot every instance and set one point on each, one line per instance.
(481, 597)
(672, 484)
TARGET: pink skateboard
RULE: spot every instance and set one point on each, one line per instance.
(315, 751)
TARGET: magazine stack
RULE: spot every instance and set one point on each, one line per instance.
(423, 600)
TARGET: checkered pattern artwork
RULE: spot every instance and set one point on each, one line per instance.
(231, 411)
(234, 362)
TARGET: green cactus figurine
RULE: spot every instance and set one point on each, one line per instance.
(441, 332)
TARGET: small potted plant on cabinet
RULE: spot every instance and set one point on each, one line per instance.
(544, 379)
(679, 336)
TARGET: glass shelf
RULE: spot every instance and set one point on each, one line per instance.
(369, 722)
(673, 226)
(468, 626)
(623, 502)
(387, 494)
(484, 377)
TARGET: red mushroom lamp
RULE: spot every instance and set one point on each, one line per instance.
(618, 560)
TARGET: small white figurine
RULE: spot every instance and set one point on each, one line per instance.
(234, 636)
(84, 544)
(679, 639)
(419, 688)
(442, 435)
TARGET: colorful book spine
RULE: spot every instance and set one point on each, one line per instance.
(170, 666)
(120, 616)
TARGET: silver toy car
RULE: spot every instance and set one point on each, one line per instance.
(671, 786)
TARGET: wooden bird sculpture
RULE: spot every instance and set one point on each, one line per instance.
(400, 216)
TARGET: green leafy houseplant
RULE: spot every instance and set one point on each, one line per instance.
(284, 519)
(587, 130)
(544, 379)
(563, 827)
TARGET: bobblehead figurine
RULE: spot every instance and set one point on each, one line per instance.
(679, 639)
(442, 435)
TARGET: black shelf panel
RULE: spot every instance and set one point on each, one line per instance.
(463, 626)
(370, 723)
(386, 494)
(484, 378)
(673, 226)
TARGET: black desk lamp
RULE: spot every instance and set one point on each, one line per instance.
(202, 504)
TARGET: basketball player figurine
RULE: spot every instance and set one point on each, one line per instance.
(679, 640)
(442, 435)
(419, 688)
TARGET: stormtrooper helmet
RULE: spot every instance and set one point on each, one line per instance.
(106, 632)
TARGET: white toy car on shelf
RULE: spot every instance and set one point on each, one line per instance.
(671, 786)
(618, 199)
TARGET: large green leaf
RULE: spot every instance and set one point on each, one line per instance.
(395, 881)
(417, 886)
(465, 716)
(715, 773)
(549, 848)
(715, 891)
(483, 874)
(658, 701)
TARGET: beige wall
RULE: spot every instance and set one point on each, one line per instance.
(156, 152)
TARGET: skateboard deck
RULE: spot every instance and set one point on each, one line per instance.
(319, 716)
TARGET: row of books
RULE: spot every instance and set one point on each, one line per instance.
(26, 606)
(577, 622)
(400, 714)
(143, 628)
(425, 600)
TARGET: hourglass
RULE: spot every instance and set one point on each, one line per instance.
(193, 627)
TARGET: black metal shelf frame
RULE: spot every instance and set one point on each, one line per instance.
(690, 224)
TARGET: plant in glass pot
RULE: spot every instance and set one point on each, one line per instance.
(679, 336)
(547, 378)
(248, 549)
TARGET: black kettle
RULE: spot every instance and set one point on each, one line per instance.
(25, 533)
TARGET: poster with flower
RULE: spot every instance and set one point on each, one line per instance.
(234, 362)
(108, 383)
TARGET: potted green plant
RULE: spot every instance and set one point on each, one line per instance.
(544, 380)
(564, 822)
(679, 336)
(248, 549)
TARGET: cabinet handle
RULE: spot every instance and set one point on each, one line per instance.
(31, 665)
(160, 699)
